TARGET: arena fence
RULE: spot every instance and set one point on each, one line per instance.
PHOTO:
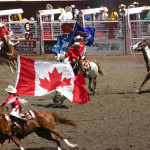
(111, 37)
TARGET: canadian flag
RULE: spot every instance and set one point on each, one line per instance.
(38, 78)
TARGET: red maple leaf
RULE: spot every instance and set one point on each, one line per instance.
(55, 81)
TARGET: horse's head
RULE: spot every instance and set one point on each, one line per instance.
(5, 39)
(61, 57)
(140, 46)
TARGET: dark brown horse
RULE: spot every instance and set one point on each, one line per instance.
(8, 53)
(144, 47)
(43, 125)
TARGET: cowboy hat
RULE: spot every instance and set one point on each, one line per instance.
(146, 8)
(78, 37)
(135, 3)
(69, 8)
(76, 44)
(131, 6)
(1, 25)
(11, 89)
(49, 5)
(122, 5)
(73, 6)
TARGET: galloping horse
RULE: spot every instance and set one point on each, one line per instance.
(43, 125)
(8, 53)
(92, 71)
(145, 48)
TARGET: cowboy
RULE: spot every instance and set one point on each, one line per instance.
(78, 38)
(66, 15)
(74, 55)
(112, 15)
(14, 100)
(103, 14)
(135, 3)
(16, 17)
(3, 31)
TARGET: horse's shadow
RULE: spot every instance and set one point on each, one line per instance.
(50, 106)
(141, 92)
(42, 148)
(146, 91)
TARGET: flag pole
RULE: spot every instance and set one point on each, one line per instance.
(74, 29)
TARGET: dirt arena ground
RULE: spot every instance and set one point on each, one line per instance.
(116, 118)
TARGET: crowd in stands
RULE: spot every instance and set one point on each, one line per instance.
(105, 14)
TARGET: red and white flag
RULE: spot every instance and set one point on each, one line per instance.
(38, 78)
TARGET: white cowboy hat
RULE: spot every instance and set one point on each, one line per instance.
(76, 44)
(1, 25)
(69, 8)
(78, 37)
(146, 8)
(122, 5)
(11, 89)
(49, 5)
(131, 6)
(73, 6)
(135, 3)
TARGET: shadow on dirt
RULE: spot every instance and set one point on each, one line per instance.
(146, 91)
(50, 106)
(42, 148)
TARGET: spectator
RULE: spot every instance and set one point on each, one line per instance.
(16, 17)
(88, 16)
(32, 19)
(49, 6)
(112, 15)
(131, 6)
(145, 14)
(135, 4)
(76, 14)
(103, 15)
(122, 8)
(73, 11)
(66, 15)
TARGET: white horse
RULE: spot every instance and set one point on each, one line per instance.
(92, 68)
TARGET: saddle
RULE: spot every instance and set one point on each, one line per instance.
(24, 116)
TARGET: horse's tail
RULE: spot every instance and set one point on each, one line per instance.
(99, 68)
(63, 120)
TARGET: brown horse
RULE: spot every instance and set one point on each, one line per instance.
(43, 125)
(144, 47)
(8, 53)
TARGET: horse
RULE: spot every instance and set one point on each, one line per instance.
(144, 47)
(8, 53)
(92, 70)
(42, 123)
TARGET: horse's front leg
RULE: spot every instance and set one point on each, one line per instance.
(13, 64)
(145, 80)
(1, 143)
(94, 84)
(89, 86)
(17, 142)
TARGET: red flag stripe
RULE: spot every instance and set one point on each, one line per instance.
(26, 83)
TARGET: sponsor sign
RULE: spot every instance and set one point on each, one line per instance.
(114, 47)
(27, 47)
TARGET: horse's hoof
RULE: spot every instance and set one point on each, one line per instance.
(137, 91)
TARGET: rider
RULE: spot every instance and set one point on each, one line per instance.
(14, 100)
(78, 38)
(3, 30)
(74, 55)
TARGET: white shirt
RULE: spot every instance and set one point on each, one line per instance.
(102, 17)
(65, 16)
